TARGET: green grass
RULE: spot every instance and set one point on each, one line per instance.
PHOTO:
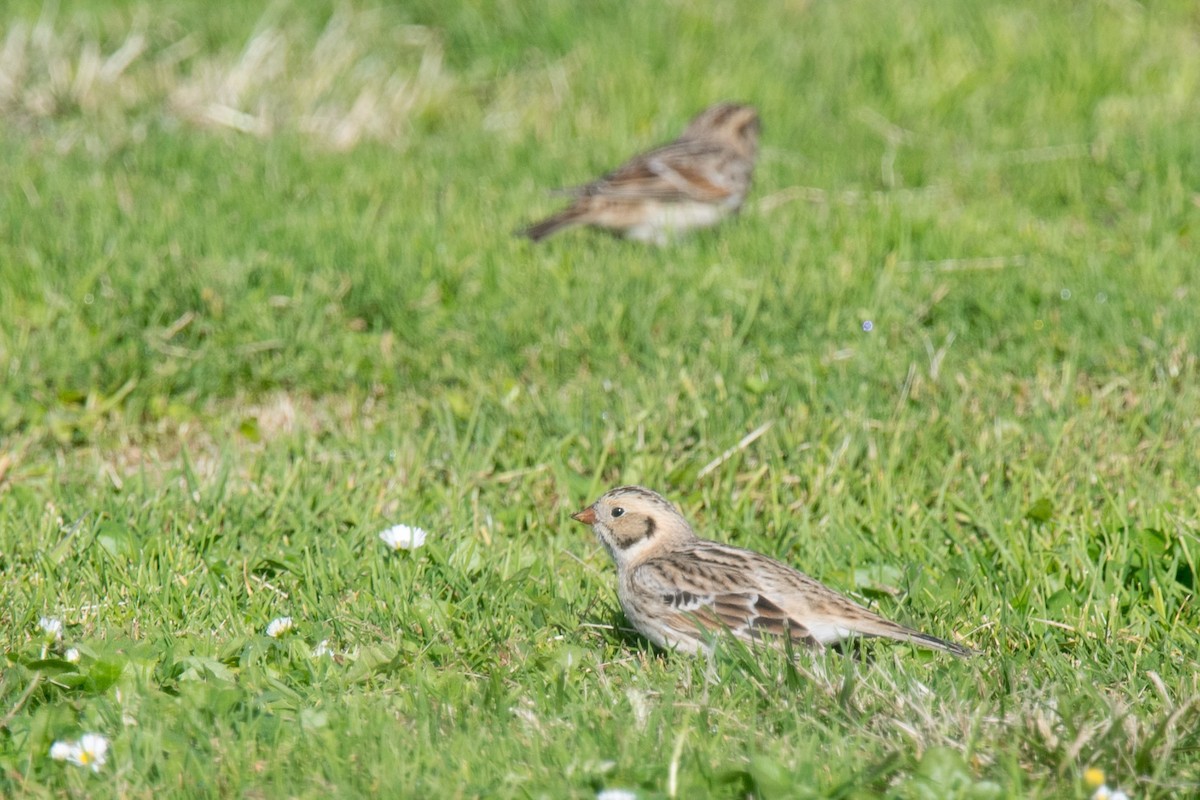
(228, 359)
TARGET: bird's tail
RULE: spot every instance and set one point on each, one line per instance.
(892, 630)
(925, 640)
(551, 225)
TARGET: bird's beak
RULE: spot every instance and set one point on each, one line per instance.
(587, 516)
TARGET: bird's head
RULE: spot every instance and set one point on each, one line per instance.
(736, 124)
(634, 523)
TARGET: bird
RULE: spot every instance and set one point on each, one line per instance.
(681, 591)
(693, 182)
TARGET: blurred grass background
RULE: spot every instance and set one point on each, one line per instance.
(260, 300)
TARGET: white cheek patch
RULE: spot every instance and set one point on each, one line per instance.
(627, 554)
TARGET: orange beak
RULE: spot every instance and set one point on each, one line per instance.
(587, 516)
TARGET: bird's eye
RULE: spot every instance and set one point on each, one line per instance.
(617, 512)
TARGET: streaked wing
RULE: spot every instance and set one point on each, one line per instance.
(752, 595)
(682, 170)
(714, 599)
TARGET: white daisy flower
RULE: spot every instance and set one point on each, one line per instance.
(280, 626)
(93, 751)
(90, 751)
(51, 627)
(403, 537)
(72, 655)
(61, 751)
(615, 794)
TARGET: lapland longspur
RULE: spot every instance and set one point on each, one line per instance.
(679, 590)
(693, 182)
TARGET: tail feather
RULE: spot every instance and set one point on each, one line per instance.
(941, 644)
(551, 225)
(892, 630)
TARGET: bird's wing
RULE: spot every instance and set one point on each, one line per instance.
(751, 594)
(714, 597)
(686, 169)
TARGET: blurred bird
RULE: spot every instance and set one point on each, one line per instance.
(693, 182)
(680, 591)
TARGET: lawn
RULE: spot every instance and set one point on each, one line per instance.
(260, 301)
